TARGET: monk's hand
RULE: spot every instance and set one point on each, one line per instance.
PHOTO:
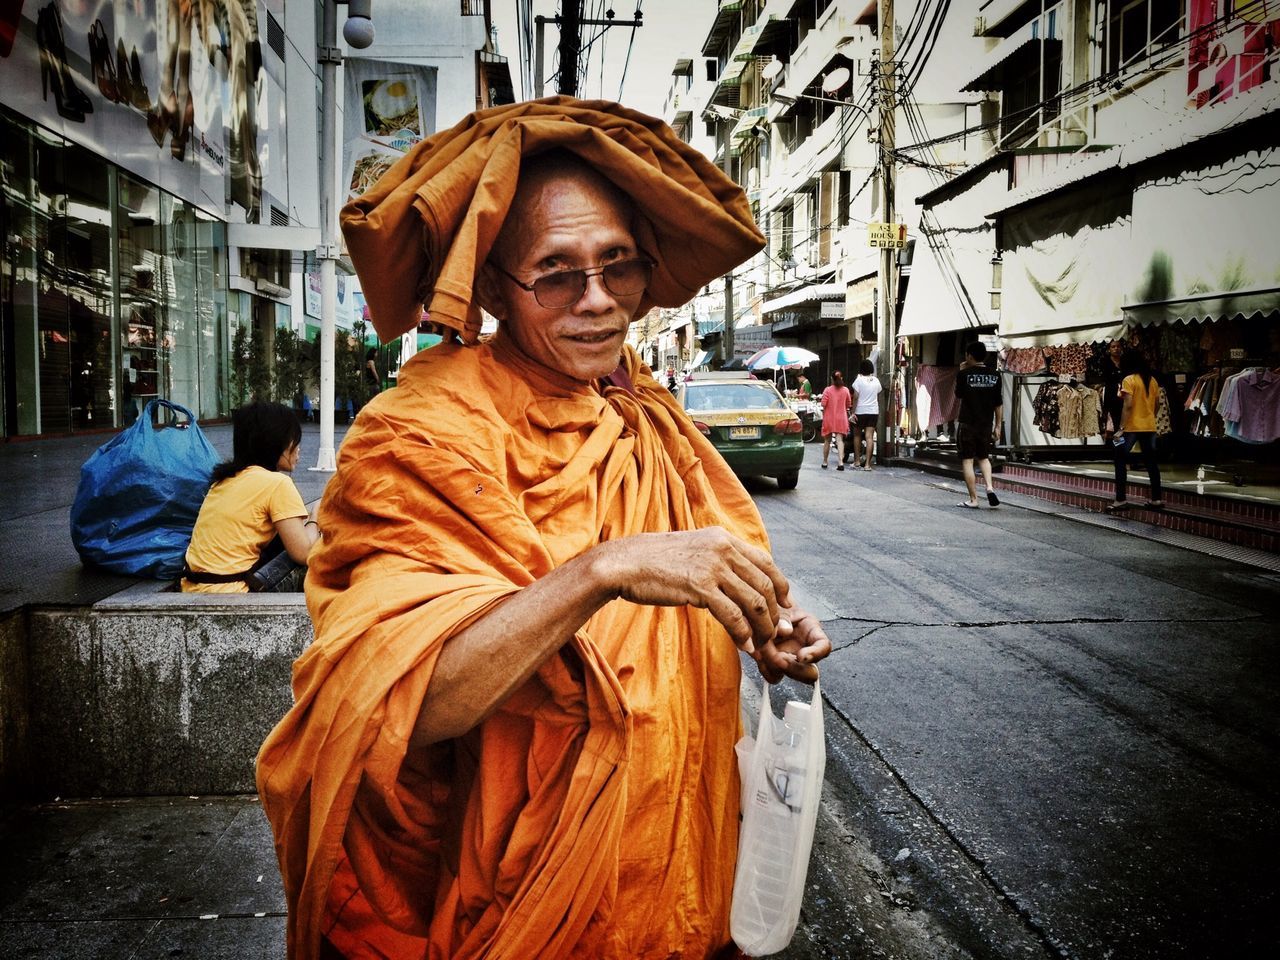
(736, 582)
(795, 651)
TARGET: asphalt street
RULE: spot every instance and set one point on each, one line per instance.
(1053, 739)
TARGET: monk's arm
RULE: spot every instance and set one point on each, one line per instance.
(484, 663)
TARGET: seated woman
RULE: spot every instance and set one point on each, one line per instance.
(252, 502)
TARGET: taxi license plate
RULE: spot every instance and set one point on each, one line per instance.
(744, 433)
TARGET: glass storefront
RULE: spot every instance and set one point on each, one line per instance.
(112, 291)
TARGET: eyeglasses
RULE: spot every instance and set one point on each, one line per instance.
(624, 278)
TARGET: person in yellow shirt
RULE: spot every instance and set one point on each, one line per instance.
(1139, 393)
(251, 502)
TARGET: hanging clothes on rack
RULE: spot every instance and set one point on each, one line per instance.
(1250, 405)
(939, 384)
(1044, 407)
(1071, 360)
(1022, 360)
(1079, 408)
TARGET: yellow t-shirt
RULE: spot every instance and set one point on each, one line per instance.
(1142, 413)
(237, 519)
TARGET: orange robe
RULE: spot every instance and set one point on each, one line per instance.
(595, 813)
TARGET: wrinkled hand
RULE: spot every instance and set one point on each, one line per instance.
(799, 645)
(737, 583)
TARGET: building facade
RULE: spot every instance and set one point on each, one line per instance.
(159, 166)
(1129, 196)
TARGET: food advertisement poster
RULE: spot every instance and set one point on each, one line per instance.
(390, 107)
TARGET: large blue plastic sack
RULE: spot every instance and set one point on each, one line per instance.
(139, 496)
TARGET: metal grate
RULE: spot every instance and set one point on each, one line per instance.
(279, 218)
(473, 8)
(275, 35)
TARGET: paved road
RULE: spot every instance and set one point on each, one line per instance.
(1071, 732)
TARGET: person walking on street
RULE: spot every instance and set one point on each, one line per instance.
(837, 404)
(1139, 395)
(866, 415)
(981, 406)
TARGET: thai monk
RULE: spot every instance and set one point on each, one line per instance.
(513, 735)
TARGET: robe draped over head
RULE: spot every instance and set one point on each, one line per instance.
(594, 814)
(418, 236)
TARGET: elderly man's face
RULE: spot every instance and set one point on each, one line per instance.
(564, 221)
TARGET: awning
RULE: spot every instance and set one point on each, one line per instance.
(701, 359)
(1069, 265)
(810, 293)
(860, 297)
(726, 13)
(1210, 306)
(950, 281)
(1014, 54)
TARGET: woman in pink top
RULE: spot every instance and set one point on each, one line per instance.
(837, 403)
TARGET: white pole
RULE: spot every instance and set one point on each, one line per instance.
(327, 252)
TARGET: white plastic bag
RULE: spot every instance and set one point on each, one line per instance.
(782, 770)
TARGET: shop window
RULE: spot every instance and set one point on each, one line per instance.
(63, 304)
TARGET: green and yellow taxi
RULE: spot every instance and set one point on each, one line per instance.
(748, 422)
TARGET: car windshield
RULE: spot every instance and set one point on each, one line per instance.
(732, 396)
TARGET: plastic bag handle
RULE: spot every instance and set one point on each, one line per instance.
(175, 407)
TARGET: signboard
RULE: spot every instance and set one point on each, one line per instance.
(751, 339)
(831, 310)
(892, 235)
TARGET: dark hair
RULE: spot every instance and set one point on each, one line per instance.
(977, 350)
(838, 378)
(261, 432)
(866, 368)
(371, 353)
(1135, 361)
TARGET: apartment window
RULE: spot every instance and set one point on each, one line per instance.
(1138, 28)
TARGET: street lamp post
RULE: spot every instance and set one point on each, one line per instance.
(358, 32)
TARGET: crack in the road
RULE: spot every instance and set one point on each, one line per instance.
(978, 624)
(1046, 938)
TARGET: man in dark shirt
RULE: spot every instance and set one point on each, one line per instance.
(981, 406)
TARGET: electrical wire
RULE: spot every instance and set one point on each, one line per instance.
(630, 43)
(1078, 95)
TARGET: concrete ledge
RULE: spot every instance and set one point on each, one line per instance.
(151, 692)
(15, 711)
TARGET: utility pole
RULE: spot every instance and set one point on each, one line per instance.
(570, 24)
(570, 41)
(888, 280)
(726, 337)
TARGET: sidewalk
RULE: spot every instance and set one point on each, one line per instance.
(141, 879)
(38, 564)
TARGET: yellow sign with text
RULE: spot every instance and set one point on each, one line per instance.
(892, 235)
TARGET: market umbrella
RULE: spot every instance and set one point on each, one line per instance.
(781, 358)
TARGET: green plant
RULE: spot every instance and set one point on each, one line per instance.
(260, 370)
(293, 362)
(239, 360)
(360, 390)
